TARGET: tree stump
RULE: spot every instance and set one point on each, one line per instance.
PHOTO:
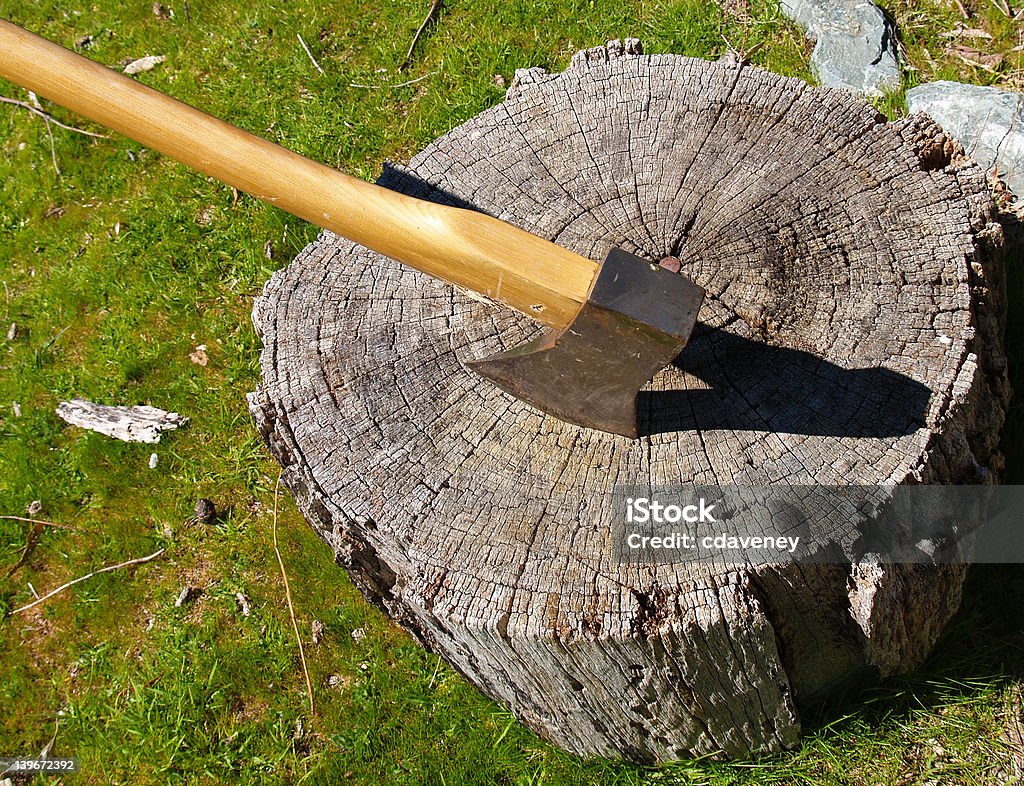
(839, 253)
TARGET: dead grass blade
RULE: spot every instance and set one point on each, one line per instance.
(107, 569)
(288, 597)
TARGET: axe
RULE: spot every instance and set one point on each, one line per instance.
(614, 324)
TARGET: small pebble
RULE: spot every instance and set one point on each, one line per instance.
(153, 459)
(34, 507)
(358, 634)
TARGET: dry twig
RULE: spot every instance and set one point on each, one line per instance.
(310, 55)
(31, 542)
(53, 149)
(49, 118)
(288, 597)
(107, 569)
(44, 523)
(400, 84)
(435, 6)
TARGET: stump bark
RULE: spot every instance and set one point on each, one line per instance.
(852, 334)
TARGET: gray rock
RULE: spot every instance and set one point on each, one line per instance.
(855, 45)
(986, 120)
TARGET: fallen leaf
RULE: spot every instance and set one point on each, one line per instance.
(147, 63)
(975, 58)
(967, 32)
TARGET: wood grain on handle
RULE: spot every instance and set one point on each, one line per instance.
(466, 248)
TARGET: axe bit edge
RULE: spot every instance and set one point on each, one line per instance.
(635, 321)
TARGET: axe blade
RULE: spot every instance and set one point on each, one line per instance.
(635, 321)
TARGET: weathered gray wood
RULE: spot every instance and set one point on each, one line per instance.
(128, 424)
(820, 232)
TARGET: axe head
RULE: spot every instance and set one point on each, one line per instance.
(635, 321)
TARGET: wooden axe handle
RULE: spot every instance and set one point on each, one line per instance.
(469, 249)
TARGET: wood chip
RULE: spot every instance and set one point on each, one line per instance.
(187, 595)
(128, 424)
(147, 63)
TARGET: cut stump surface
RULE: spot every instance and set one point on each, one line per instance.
(851, 335)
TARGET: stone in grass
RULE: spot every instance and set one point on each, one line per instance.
(206, 511)
(128, 424)
(855, 44)
(986, 121)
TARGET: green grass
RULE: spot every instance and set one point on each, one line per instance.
(116, 269)
(928, 30)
